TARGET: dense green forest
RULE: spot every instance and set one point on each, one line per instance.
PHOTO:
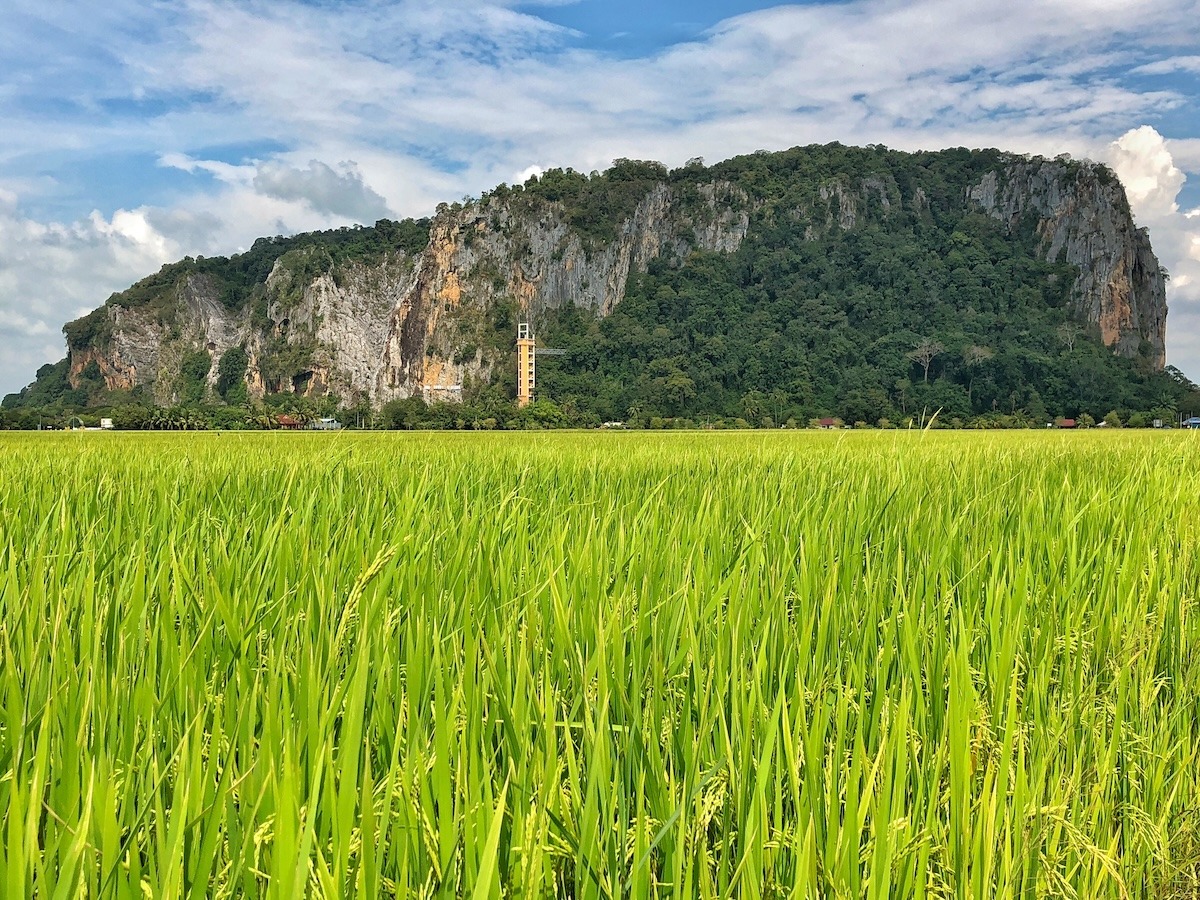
(865, 325)
(920, 309)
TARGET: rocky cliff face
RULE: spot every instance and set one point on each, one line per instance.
(488, 253)
(340, 329)
(1083, 218)
(424, 324)
(142, 350)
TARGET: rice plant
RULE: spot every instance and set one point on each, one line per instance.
(858, 665)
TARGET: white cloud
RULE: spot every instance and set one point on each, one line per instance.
(1144, 164)
(1185, 152)
(52, 273)
(528, 172)
(340, 193)
(1170, 66)
(1143, 161)
(222, 171)
(790, 74)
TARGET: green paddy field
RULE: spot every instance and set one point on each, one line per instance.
(836, 665)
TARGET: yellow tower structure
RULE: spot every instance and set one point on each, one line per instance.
(525, 358)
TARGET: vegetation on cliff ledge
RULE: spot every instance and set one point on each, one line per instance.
(237, 277)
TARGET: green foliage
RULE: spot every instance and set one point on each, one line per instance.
(91, 373)
(833, 321)
(282, 360)
(231, 371)
(855, 260)
(132, 417)
(300, 268)
(196, 365)
(157, 291)
(91, 331)
(405, 413)
(51, 390)
(593, 206)
(193, 375)
(484, 409)
(239, 279)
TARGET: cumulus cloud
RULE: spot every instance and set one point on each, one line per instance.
(1145, 166)
(1185, 152)
(1142, 160)
(339, 193)
(52, 273)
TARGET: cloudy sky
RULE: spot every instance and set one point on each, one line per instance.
(136, 132)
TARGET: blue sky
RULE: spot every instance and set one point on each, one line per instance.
(138, 132)
(632, 28)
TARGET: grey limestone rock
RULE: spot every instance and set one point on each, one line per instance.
(1083, 218)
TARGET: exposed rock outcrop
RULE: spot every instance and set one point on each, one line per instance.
(1083, 218)
(487, 253)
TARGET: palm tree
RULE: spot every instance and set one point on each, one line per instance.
(159, 419)
(778, 400)
(752, 404)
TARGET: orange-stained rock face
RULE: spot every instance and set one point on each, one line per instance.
(117, 374)
(525, 289)
(451, 291)
(1116, 309)
(443, 245)
(1083, 219)
(481, 256)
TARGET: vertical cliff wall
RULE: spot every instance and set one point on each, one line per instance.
(1083, 218)
(498, 252)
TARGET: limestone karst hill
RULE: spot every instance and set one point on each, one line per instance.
(811, 273)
